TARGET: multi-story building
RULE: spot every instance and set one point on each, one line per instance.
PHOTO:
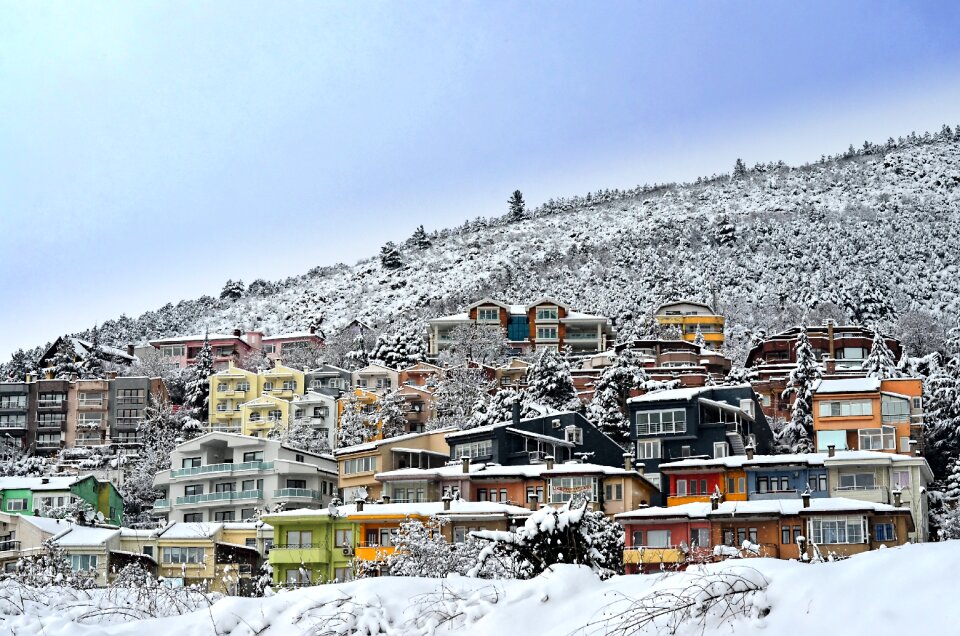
(869, 414)
(253, 403)
(128, 398)
(696, 422)
(37, 496)
(545, 323)
(229, 389)
(358, 465)
(317, 410)
(329, 380)
(377, 378)
(47, 418)
(288, 345)
(181, 351)
(224, 477)
(692, 317)
(14, 413)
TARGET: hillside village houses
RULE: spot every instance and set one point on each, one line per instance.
(696, 481)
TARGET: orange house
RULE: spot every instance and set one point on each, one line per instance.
(868, 414)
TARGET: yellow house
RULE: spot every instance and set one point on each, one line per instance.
(283, 382)
(263, 414)
(230, 388)
(691, 317)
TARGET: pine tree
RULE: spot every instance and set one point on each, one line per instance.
(550, 382)
(64, 360)
(357, 357)
(353, 427)
(518, 209)
(19, 366)
(498, 408)
(880, 363)
(419, 239)
(390, 256)
(739, 168)
(797, 434)
(608, 409)
(391, 415)
(93, 363)
(699, 340)
(399, 349)
(301, 435)
(198, 381)
(233, 290)
(951, 489)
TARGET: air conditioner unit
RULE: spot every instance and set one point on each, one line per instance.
(348, 552)
(747, 406)
(556, 423)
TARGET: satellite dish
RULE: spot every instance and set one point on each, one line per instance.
(100, 517)
(89, 516)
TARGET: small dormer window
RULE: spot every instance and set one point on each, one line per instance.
(548, 312)
(573, 434)
(488, 314)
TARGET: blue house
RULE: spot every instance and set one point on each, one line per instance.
(786, 476)
(696, 422)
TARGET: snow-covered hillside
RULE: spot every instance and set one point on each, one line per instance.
(869, 235)
(907, 590)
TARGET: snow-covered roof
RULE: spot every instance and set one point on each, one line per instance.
(107, 349)
(809, 459)
(197, 338)
(579, 315)
(489, 427)
(68, 533)
(368, 446)
(788, 507)
(40, 483)
(246, 525)
(848, 385)
(189, 530)
(287, 336)
(482, 470)
(423, 509)
(549, 439)
(687, 393)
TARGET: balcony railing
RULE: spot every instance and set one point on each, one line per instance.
(220, 468)
(13, 426)
(580, 336)
(85, 403)
(91, 441)
(49, 404)
(9, 546)
(224, 428)
(161, 504)
(220, 496)
(299, 493)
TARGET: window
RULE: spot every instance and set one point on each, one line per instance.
(459, 534)
(682, 488)
(52, 399)
(731, 484)
(247, 513)
(129, 417)
(481, 494)
(289, 385)
(14, 401)
(360, 465)
(89, 420)
(173, 352)
(703, 486)
(298, 576)
(817, 483)
(243, 387)
(296, 483)
(226, 486)
(720, 449)
(298, 458)
(183, 555)
(852, 353)
(190, 462)
(254, 456)
(837, 439)
(503, 495)
(785, 535)
(269, 348)
(384, 383)
(563, 489)
(883, 438)
(83, 562)
(905, 445)
(222, 386)
(482, 448)
(693, 487)
(917, 403)
(343, 538)
(901, 478)
(649, 449)
(658, 539)
(700, 537)
(614, 492)
(846, 408)
(857, 481)
(538, 492)
(546, 333)
(226, 515)
(684, 451)
(275, 415)
(343, 574)
(16, 504)
(131, 396)
(51, 419)
(268, 386)
(85, 399)
(193, 517)
(193, 489)
(656, 422)
(573, 434)
(488, 314)
(883, 532)
(547, 313)
(839, 530)
(894, 409)
(302, 539)
(13, 421)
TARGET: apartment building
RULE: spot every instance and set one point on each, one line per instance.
(545, 323)
(181, 351)
(692, 317)
(36, 496)
(252, 403)
(329, 380)
(317, 410)
(377, 378)
(223, 477)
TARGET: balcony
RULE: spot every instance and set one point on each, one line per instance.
(88, 441)
(161, 504)
(373, 552)
(91, 404)
(129, 422)
(233, 495)
(637, 556)
(297, 554)
(774, 494)
(220, 468)
(50, 425)
(51, 404)
(297, 493)
(875, 494)
(224, 428)
(9, 546)
(581, 336)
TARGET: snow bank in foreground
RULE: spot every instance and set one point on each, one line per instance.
(895, 591)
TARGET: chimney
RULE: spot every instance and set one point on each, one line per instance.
(236, 333)
(48, 374)
(641, 468)
(534, 503)
(44, 480)
(111, 375)
(714, 502)
(446, 501)
(805, 496)
(311, 330)
(749, 450)
(829, 364)
(897, 497)
(549, 460)
(516, 413)
(628, 461)
(31, 378)
(130, 350)
(831, 450)
(386, 499)
(359, 503)
(255, 339)
(830, 345)
(465, 464)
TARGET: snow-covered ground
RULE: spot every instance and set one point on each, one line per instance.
(908, 590)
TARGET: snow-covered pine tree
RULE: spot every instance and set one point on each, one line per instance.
(484, 344)
(499, 408)
(699, 340)
(300, 434)
(518, 209)
(64, 360)
(390, 415)
(608, 409)
(951, 487)
(357, 357)
(739, 168)
(941, 426)
(198, 382)
(233, 290)
(93, 363)
(390, 256)
(797, 434)
(19, 366)
(880, 363)
(458, 393)
(419, 240)
(550, 382)
(399, 349)
(353, 426)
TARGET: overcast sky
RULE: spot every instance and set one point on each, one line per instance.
(150, 150)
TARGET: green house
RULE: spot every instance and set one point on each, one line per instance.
(36, 495)
(311, 546)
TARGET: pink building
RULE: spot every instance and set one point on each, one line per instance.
(182, 350)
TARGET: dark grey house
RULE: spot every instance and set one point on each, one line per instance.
(328, 380)
(712, 421)
(564, 436)
(129, 396)
(14, 414)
